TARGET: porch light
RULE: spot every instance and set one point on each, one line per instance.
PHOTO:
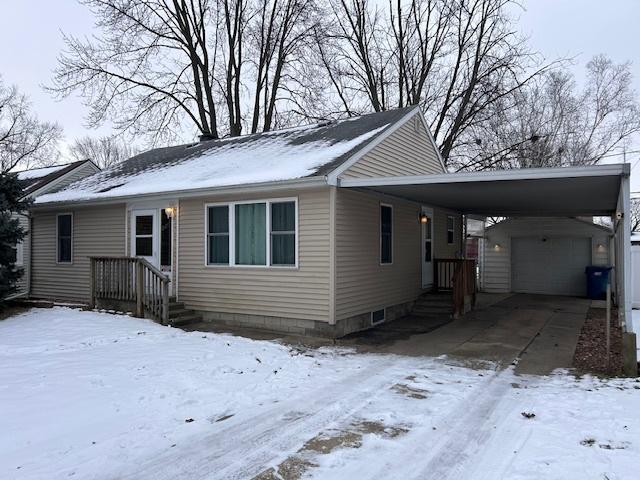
(424, 218)
(170, 211)
(600, 247)
(497, 247)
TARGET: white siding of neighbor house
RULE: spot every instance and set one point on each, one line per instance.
(297, 293)
(96, 231)
(407, 151)
(496, 267)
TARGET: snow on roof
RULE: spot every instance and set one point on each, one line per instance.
(38, 172)
(279, 155)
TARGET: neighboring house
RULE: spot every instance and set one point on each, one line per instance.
(38, 181)
(323, 229)
(517, 253)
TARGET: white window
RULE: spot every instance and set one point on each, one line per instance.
(386, 234)
(19, 249)
(258, 233)
(64, 238)
(451, 222)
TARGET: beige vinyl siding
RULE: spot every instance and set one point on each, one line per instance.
(83, 171)
(96, 231)
(299, 293)
(442, 249)
(407, 151)
(362, 284)
(496, 264)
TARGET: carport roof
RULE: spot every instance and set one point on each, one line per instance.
(570, 191)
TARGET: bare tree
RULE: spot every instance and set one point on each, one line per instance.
(24, 140)
(455, 58)
(212, 65)
(551, 123)
(635, 215)
(103, 151)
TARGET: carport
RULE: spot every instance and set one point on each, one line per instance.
(601, 190)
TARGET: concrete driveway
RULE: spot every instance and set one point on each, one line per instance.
(539, 330)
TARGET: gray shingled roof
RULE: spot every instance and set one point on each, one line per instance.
(286, 154)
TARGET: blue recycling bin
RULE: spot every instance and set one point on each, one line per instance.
(597, 279)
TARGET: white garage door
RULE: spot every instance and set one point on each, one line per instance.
(553, 267)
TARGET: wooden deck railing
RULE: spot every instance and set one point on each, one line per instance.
(458, 276)
(131, 279)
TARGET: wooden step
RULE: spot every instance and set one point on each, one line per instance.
(179, 312)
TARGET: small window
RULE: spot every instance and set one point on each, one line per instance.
(377, 316)
(283, 233)
(19, 254)
(386, 234)
(451, 221)
(218, 235)
(64, 240)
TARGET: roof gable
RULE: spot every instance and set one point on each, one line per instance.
(37, 180)
(405, 149)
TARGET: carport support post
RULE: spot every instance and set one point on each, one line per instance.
(608, 325)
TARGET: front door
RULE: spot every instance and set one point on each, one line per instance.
(144, 238)
(427, 248)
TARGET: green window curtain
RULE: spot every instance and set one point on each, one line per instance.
(218, 235)
(251, 234)
(283, 233)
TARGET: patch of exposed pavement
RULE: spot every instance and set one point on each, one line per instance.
(296, 465)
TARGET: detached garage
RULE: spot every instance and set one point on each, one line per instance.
(542, 255)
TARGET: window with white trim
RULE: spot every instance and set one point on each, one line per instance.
(64, 240)
(451, 222)
(386, 234)
(19, 258)
(218, 235)
(260, 233)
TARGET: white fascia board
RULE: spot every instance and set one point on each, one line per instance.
(492, 176)
(306, 182)
(332, 178)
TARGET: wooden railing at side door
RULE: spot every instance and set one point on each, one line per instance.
(131, 279)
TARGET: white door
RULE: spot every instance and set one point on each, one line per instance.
(552, 266)
(427, 249)
(144, 235)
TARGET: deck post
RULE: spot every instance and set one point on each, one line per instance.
(139, 289)
(92, 303)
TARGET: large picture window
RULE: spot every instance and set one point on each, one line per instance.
(386, 234)
(261, 233)
(64, 233)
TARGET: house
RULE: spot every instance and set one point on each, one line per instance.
(37, 181)
(323, 229)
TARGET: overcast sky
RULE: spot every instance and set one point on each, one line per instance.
(30, 39)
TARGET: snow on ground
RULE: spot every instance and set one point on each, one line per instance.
(98, 396)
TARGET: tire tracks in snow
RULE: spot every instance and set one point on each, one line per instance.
(244, 449)
(448, 453)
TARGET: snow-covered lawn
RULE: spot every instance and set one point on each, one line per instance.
(93, 395)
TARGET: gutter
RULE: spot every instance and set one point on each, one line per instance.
(492, 176)
(305, 182)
